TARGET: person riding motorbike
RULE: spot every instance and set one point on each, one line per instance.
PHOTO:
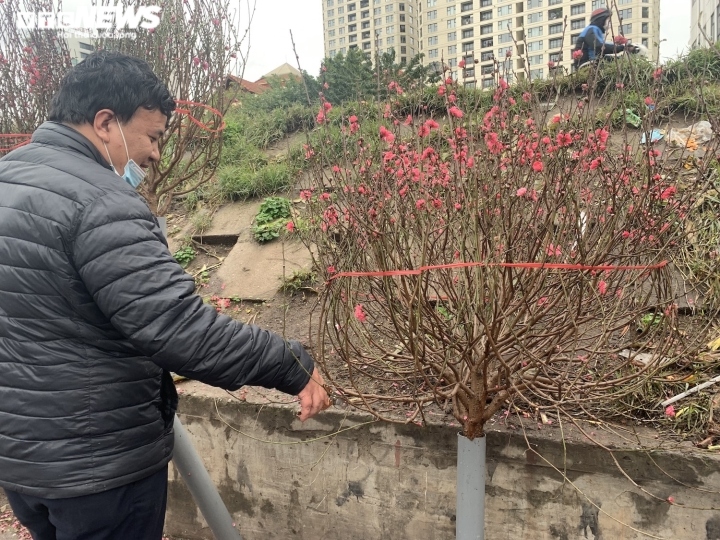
(590, 45)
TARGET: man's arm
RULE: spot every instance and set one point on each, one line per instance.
(123, 261)
(599, 46)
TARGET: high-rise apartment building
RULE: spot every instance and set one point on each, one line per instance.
(373, 26)
(529, 37)
(704, 22)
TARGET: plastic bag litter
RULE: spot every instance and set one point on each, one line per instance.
(690, 137)
(655, 136)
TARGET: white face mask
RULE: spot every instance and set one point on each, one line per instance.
(133, 173)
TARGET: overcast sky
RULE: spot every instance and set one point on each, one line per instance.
(271, 46)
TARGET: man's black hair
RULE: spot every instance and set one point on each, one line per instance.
(109, 80)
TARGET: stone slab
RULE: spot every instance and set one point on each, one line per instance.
(232, 221)
(253, 271)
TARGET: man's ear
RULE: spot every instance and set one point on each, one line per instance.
(101, 125)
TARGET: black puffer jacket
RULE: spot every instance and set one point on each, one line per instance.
(94, 312)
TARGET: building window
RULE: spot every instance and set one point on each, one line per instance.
(378, 21)
(401, 7)
(432, 15)
(536, 74)
(577, 9)
(626, 29)
(535, 46)
(402, 27)
(466, 19)
(390, 40)
(556, 43)
(377, 11)
(536, 59)
(365, 35)
(331, 33)
(352, 28)
(535, 31)
(452, 36)
(331, 43)
(645, 42)
(504, 25)
(432, 28)
(535, 17)
(365, 14)
(365, 24)
(577, 24)
(433, 40)
(555, 28)
(488, 83)
(451, 23)
(556, 57)
(597, 4)
(504, 10)
(466, 6)
(431, 3)
(555, 2)
(626, 13)
(505, 38)
(351, 7)
(353, 38)
(645, 28)
(331, 13)
(485, 3)
(487, 55)
(390, 29)
(352, 17)
(645, 13)
(433, 53)
(469, 72)
(556, 13)
(469, 46)
(486, 15)
(366, 46)
(504, 52)
(452, 62)
(467, 34)
(451, 11)
(331, 23)
(452, 49)
(330, 3)
(389, 8)
(534, 4)
(389, 19)
(486, 29)
(487, 70)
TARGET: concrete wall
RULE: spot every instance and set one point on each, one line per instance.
(397, 482)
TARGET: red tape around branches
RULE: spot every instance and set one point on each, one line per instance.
(195, 120)
(11, 141)
(529, 266)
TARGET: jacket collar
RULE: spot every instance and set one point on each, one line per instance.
(63, 136)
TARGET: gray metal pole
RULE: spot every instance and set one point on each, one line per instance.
(197, 479)
(191, 468)
(470, 522)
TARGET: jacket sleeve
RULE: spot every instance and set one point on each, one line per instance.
(601, 48)
(123, 260)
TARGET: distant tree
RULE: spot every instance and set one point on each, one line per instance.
(349, 77)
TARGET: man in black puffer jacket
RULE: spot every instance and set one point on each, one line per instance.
(95, 313)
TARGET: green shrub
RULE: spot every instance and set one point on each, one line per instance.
(273, 215)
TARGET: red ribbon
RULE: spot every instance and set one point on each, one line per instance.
(530, 266)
